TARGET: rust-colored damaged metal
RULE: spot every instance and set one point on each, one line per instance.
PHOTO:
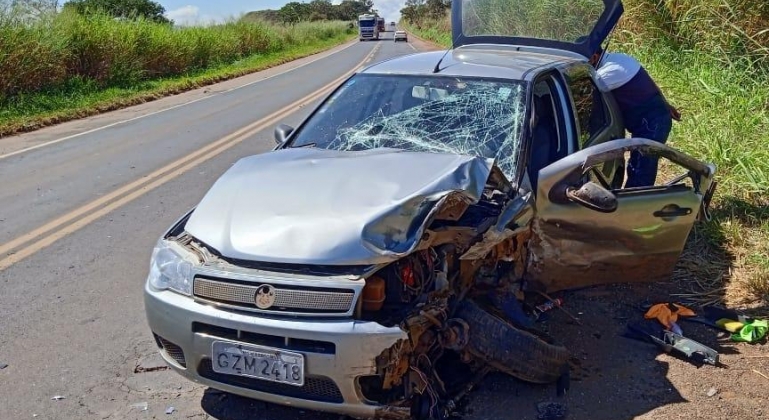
(459, 236)
(395, 361)
(452, 208)
(594, 258)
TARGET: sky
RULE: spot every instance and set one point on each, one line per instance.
(185, 12)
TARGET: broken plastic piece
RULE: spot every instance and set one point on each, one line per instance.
(58, 397)
(170, 410)
(671, 342)
(712, 392)
(3, 366)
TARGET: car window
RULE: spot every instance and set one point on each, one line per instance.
(469, 116)
(564, 21)
(592, 115)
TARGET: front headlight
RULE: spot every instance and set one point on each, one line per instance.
(169, 269)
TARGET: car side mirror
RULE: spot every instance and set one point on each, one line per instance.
(593, 196)
(282, 132)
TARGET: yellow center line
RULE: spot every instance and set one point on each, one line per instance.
(129, 192)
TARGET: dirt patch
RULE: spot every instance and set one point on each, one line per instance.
(615, 378)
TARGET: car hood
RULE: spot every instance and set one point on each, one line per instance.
(324, 207)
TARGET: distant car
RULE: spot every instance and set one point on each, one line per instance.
(397, 242)
(400, 36)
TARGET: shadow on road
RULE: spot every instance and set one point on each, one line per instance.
(225, 406)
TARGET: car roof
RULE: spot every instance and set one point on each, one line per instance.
(499, 61)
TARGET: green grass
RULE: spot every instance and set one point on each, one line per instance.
(725, 105)
(68, 66)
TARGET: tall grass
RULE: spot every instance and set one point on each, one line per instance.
(710, 58)
(70, 49)
(547, 19)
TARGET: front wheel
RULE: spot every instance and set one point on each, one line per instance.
(510, 350)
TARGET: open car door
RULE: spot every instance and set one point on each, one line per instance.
(579, 26)
(587, 234)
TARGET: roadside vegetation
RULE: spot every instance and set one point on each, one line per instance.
(56, 66)
(314, 10)
(711, 58)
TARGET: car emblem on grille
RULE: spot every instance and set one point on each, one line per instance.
(265, 296)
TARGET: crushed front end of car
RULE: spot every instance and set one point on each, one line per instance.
(375, 284)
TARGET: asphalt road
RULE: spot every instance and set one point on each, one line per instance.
(82, 206)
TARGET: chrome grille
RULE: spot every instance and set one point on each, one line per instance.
(303, 300)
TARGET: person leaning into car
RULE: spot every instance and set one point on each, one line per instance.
(645, 110)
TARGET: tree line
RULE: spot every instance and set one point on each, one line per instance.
(293, 12)
(122, 9)
(315, 10)
(418, 10)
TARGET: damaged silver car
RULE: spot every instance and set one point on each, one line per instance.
(388, 253)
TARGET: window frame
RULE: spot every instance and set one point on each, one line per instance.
(576, 74)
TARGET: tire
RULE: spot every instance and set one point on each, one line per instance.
(510, 350)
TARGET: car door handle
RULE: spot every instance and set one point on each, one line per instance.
(673, 211)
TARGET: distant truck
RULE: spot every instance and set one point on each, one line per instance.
(381, 24)
(368, 27)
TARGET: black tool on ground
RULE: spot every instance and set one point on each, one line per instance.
(670, 342)
(705, 321)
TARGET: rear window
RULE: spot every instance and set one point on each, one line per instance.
(555, 20)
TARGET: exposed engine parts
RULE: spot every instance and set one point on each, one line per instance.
(452, 340)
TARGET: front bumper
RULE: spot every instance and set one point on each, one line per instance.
(336, 352)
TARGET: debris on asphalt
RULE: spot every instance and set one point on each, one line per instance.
(142, 369)
(170, 410)
(551, 411)
(761, 374)
(58, 397)
(3, 365)
(143, 406)
(712, 392)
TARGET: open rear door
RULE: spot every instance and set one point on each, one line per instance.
(579, 26)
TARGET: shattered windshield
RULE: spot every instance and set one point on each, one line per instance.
(422, 113)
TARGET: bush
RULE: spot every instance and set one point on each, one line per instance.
(733, 31)
(70, 49)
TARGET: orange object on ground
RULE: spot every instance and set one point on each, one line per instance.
(668, 313)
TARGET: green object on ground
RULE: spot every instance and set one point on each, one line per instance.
(752, 331)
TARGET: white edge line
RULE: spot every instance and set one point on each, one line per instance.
(52, 142)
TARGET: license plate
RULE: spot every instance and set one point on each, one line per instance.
(259, 362)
